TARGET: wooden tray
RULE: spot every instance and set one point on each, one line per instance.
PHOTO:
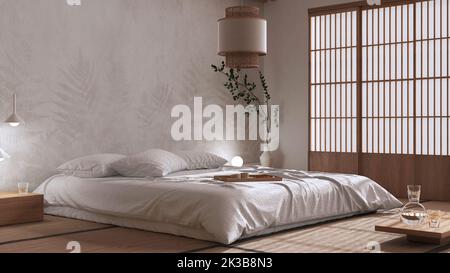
(251, 178)
(422, 233)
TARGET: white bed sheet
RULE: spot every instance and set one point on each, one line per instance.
(192, 204)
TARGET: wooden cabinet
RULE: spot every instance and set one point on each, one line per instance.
(20, 208)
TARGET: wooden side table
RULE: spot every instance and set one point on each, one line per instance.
(20, 208)
(422, 233)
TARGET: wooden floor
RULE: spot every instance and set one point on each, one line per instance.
(348, 235)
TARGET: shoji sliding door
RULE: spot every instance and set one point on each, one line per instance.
(388, 96)
(334, 91)
(432, 165)
(399, 88)
(388, 80)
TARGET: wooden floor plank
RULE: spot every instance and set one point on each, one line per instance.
(50, 226)
(114, 240)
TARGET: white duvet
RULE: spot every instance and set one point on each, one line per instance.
(192, 204)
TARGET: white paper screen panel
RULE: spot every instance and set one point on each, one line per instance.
(432, 72)
(405, 73)
(388, 80)
(333, 82)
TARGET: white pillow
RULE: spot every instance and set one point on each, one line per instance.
(201, 160)
(93, 166)
(151, 163)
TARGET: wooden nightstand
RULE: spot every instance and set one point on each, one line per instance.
(20, 208)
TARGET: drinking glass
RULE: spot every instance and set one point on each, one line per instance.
(413, 213)
(435, 218)
(23, 188)
(414, 193)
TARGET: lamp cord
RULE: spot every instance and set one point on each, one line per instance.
(14, 103)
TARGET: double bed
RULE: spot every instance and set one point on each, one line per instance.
(193, 204)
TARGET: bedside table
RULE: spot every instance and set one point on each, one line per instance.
(20, 208)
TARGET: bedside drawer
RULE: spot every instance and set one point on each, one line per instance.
(19, 209)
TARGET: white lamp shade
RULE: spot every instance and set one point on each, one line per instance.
(237, 161)
(242, 35)
(13, 120)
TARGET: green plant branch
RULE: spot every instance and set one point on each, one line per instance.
(235, 85)
(246, 89)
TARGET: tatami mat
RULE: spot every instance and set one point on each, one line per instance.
(353, 235)
(49, 227)
(348, 235)
(109, 241)
(224, 249)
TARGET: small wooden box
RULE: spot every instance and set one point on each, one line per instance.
(20, 208)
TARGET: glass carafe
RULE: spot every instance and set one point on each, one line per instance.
(413, 213)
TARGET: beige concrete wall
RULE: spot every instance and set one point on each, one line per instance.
(103, 77)
(286, 67)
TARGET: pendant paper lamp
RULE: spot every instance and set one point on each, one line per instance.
(14, 120)
(242, 37)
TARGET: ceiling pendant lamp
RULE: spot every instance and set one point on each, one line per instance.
(242, 37)
(14, 120)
